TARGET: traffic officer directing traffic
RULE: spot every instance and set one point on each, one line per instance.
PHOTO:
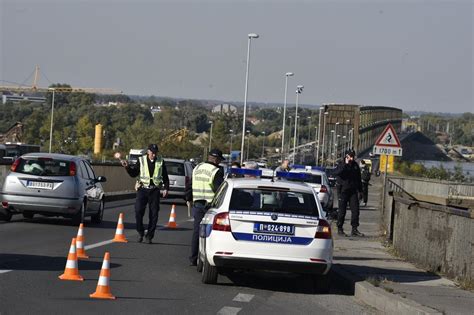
(152, 176)
(349, 181)
(207, 177)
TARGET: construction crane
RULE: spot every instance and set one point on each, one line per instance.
(34, 87)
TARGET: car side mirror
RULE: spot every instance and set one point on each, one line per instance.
(101, 179)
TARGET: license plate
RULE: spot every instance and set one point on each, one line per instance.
(274, 228)
(39, 185)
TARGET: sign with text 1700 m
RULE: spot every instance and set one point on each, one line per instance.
(388, 143)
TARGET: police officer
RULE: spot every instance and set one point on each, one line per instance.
(348, 177)
(207, 177)
(365, 176)
(152, 175)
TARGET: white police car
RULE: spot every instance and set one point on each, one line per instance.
(265, 225)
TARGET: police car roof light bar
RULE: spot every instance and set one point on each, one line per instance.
(245, 171)
(291, 175)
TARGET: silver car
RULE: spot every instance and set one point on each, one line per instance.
(53, 185)
(180, 173)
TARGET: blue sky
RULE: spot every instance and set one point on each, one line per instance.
(414, 55)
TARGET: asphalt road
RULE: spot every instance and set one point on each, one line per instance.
(145, 278)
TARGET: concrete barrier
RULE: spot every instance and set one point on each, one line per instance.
(437, 237)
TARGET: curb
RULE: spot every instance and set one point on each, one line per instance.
(376, 297)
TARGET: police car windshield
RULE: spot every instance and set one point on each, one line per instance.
(273, 201)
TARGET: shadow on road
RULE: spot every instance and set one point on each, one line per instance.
(44, 263)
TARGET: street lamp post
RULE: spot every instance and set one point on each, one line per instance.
(250, 36)
(351, 138)
(289, 139)
(288, 74)
(309, 130)
(248, 144)
(331, 147)
(231, 136)
(323, 145)
(299, 90)
(319, 131)
(210, 136)
(52, 117)
(263, 144)
(336, 139)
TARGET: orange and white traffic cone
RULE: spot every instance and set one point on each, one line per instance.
(119, 236)
(81, 252)
(172, 220)
(103, 287)
(71, 272)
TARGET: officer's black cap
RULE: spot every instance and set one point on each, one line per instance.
(217, 153)
(153, 148)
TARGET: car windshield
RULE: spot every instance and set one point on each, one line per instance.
(274, 201)
(43, 167)
(175, 168)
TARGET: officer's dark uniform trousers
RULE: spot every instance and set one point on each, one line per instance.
(152, 196)
(199, 211)
(348, 196)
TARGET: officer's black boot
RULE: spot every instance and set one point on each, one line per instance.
(139, 238)
(355, 232)
(340, 232)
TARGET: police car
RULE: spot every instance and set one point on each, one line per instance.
(256, 224)
(317, 179)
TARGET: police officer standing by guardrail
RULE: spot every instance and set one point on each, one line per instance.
(152, 176)
(207, 177)
(348, 177)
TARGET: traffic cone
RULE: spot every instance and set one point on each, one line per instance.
(172, 220)
(103, 288)
(119, 236)
(71, 272)
(81, 252)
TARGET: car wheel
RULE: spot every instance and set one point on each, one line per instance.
(97, 218)
(199, 264)
(6, 215)
(79, 216)
(321, 284)
(28, 215)
(209, 273)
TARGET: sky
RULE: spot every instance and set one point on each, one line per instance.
(411, 54)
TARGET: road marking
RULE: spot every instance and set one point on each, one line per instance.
(243, 297)
(98, 244)
(227, 310)
(5, 271)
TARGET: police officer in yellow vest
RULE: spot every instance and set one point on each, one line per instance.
(207, 177)
(152, 175)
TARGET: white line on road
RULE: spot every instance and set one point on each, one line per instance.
(5, 271)
(227, 310)
(98, 244)
(243, 297)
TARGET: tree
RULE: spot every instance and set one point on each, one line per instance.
(85, 132)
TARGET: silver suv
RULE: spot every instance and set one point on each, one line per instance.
(180, 173)
(53, 185)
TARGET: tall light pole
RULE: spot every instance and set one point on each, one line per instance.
(210, 136)
(248, 144)
(263, 144)
(331, 147)
(288, 74)
(351, 138)
(309, 130)
(250, 36)
(231, 136)
(319, 131)
(299, 90)
(336, 140)
(323, 145)
(289, 139)
(52, 117)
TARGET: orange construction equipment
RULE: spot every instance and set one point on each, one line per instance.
(71, 272)
(119, 236)
(103, 287)
(172, 220)
(81, 252)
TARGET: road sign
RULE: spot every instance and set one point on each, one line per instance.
(388, 143)
(386, 160)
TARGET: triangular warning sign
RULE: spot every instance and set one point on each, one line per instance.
(388, 138)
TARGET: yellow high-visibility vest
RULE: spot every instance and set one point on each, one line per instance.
(145, 173)
(203, 178)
